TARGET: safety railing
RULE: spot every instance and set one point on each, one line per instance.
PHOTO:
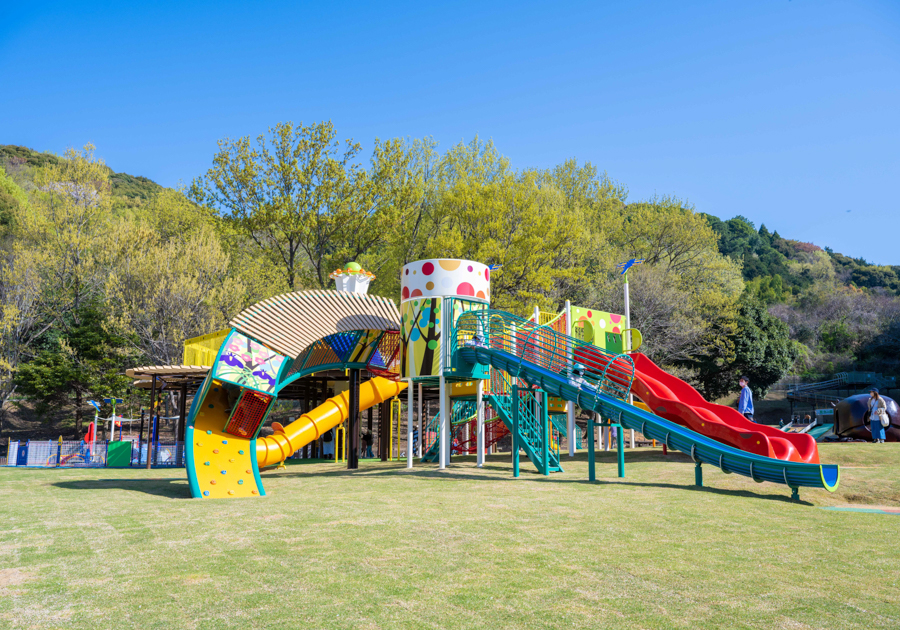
(531, 424)
(78, 454)
(549, 349)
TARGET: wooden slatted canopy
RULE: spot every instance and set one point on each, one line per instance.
(290, 322)
(142, 373)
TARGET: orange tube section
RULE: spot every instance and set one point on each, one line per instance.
(308, 427)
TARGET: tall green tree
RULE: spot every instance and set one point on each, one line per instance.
(760, 348)
(77, 361)
(299, 196)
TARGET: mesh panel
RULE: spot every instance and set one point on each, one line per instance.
(249, 414)
(385, 360)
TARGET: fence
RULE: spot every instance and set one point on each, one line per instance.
(55, 454)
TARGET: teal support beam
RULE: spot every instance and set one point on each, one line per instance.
(795, 494)
(698, 475)
(545, 424)
(620, 448)
(592, 472)
(515, 431)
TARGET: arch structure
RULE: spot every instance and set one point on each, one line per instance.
(271, 345)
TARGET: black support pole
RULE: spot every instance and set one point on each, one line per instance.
(353, 422)
(182, 413)
(383, 421)
(152, 416)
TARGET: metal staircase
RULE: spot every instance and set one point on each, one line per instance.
(534, 429)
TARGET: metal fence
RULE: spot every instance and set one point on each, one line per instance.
(56, 454)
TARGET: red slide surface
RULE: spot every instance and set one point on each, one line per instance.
(671, 398)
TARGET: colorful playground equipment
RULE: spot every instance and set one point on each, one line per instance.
(497, 376)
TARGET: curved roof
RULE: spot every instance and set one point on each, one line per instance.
(290, 322)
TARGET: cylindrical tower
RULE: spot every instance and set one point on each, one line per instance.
(434, 293)
(428, 287)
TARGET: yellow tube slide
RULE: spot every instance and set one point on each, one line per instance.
(286, 440)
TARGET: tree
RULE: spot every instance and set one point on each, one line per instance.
(54, 268)
(297, 195)
(78, 360)
(162, 292)
(762, 351)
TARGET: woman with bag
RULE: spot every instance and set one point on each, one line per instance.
(878, 416)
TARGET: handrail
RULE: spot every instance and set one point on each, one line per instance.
(548, 348)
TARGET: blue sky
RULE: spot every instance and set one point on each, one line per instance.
(787, 112)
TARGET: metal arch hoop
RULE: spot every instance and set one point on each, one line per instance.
(722, 464)
(693, 456)
(753, 475)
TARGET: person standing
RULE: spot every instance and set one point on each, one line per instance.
(877, 411)
(745, 402)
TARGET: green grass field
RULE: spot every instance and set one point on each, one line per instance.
(383, 547)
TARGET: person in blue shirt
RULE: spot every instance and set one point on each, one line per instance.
(745, 402)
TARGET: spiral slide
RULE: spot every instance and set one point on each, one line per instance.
(221, 465)
(671, 398)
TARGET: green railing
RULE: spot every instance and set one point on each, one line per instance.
(525, 342)
(463, 411)
(532, 429)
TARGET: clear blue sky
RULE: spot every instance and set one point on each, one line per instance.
(784, 111)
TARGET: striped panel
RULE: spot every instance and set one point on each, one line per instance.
(290, 322)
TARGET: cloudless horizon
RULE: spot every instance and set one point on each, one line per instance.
(783, 111)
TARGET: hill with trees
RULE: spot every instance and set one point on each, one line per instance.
(102, 270)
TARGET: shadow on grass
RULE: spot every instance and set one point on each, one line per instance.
(430, 471)
(169, 488)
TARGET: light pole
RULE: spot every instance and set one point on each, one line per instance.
(623, 269)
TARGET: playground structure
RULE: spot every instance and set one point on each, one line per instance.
(498, 377)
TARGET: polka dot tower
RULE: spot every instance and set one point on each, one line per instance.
(445, 277)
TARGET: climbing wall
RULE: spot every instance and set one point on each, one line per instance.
(220, 465)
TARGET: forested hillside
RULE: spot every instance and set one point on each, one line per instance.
(103, 271)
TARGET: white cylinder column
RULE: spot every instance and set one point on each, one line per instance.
(444, 426)
(419, 424)
(479, 423)
(570, 406)
(409, 426)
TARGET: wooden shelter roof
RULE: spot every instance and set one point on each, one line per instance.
(142, 373)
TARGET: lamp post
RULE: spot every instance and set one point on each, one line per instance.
(623, 269)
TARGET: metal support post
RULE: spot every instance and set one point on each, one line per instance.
(479, 423)
(515, 430)
(592, 472)
(698, 474)
(545, 423)
(419, 423)
(150, 426)
(620, 447)
(409, 426)
(444, 424)
(351, 452)
(570, 406)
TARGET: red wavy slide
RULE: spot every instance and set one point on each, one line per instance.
(671, 398)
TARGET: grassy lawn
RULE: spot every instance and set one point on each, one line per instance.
(382, 547)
